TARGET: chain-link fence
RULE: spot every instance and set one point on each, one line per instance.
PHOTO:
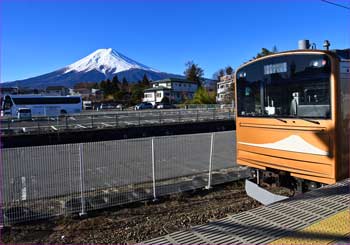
(45, 181)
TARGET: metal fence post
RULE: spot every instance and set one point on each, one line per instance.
(82, 186)
(179, 115)
(116, 120)
(160, 117)
(92, 121)
(139, 118)
(70, 169)
(8, 123)
(214, 114)
(197, 115)
(153, 172)
(210, 161)
(66, 122)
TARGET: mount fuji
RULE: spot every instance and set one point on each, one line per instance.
(97, 66)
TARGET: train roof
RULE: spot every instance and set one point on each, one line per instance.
(342, 54)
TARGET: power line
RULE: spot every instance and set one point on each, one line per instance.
(336, 4)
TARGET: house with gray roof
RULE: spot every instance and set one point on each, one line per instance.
(175, 89)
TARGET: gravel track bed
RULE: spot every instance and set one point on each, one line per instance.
(137, 222)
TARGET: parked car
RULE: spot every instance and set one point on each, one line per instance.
(144, 106)
(106, 106)
(24, 114)
(166, 106)
(119, 106)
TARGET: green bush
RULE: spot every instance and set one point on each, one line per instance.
(203, 97)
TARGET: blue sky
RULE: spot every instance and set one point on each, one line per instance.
(41, 36)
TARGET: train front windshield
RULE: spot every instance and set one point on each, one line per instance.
(287, 86)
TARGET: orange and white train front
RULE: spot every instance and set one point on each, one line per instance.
(293, 115)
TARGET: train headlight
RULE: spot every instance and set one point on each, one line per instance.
(242, 74)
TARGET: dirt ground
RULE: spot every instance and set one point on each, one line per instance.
(136, 222)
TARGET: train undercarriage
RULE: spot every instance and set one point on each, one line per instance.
(261, 182)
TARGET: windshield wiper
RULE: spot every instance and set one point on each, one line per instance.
(279, 119)
(309, 120)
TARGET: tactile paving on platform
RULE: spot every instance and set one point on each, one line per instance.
(326, 231)
(312, 213)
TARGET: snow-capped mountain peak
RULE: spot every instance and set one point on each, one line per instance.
(106, 61)
(100, 65)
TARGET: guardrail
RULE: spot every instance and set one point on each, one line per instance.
(206, 106)
(120, 119)
(44, 181)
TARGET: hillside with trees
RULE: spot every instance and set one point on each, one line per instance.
(119, 91)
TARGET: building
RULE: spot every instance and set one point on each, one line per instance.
(209, 84)
(225, 90)
(176, 90)
(57, 90)
(85, 93)
(8, 90)
(97, 94)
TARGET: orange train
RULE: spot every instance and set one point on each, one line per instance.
(293, 115)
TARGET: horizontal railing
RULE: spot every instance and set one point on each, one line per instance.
(116, 119)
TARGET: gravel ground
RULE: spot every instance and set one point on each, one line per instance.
(139, 221)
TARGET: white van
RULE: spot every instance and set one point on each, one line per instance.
(87, 105)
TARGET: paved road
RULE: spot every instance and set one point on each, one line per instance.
(48, 171)
(103, 119)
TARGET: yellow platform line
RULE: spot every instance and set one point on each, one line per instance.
(325, 231)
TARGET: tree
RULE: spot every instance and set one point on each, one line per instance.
(216, 77)
(115, 84)
(194, 73)
(108, 97)
(165, 100)
(218, 74)
(265, 51)
(136, 93)
(145, 82)
(109, 87)
(203, 97)
(103, 85)
(229, 70)
(119, 95)
(125, 85)
(87, 85)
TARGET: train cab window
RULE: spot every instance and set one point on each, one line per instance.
(285, 86)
